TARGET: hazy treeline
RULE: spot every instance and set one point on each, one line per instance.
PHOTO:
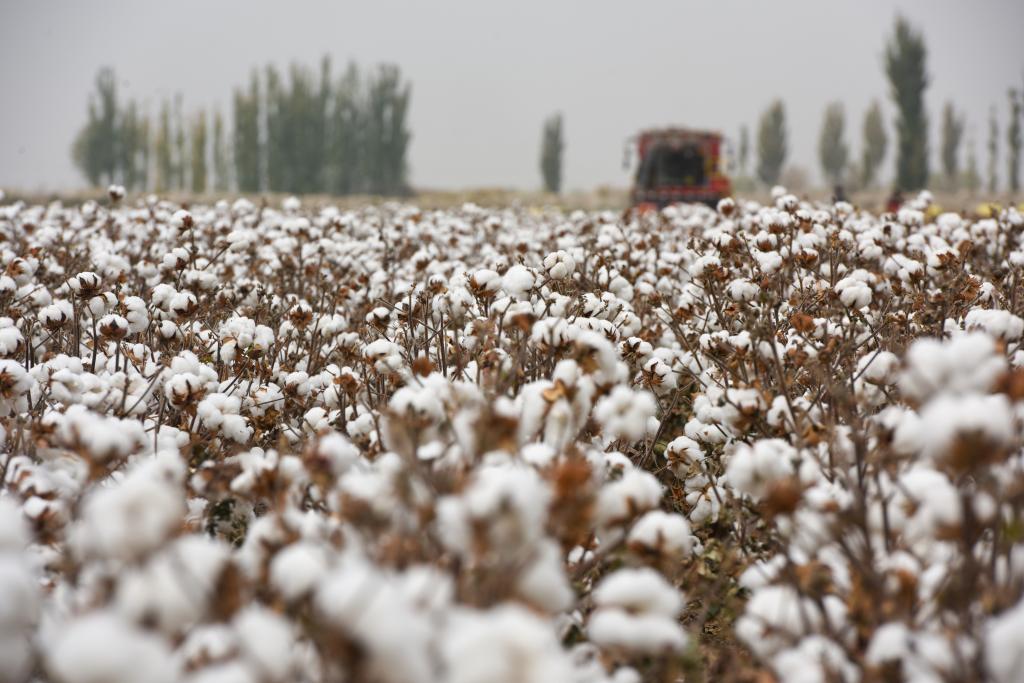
(905, 66)
(303, 132)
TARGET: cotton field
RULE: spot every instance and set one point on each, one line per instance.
(261, 444)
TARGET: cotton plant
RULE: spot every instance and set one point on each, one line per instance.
(304, 442)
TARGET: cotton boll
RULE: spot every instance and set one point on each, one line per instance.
(636, 611)
(635, 492)
(999, 324)
(182, 219)
(366, 604)
(559, 265)
(774, 617)
(623, 414)
(543, 582)
(505, 644)
(660, 533)
(967, 429)
(485, 282)
(853, 292)
(100, 647)
(19, 595)
(965, 364)
(171, 590)
(297, 569)
(132, 517)
(743, 290)
(508, 503)
(815, 660)
(1004, 645)
(15, 385)
(266, 641)
(754, 470)
(231, 672)
(11, 340)
(518, 281)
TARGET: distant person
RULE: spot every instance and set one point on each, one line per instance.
(838, 195)
(894, 202)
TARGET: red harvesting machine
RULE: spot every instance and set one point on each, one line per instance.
(679, 165)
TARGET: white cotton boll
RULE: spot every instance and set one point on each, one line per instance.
(130, 518)
(543, 583)
(559, 265)
(11, 340)
(989, 419)
(623, 414)
(641, 590)
(181, 219)
(171, 590)
(14, 531)
(505, 644)
(773, 617)
(19, 595)
(236, 428)
(636, 611)
(85, 282)
(965, 364)
(365, 602)
(743, 289)
(100, 647)
(926, 504)
(551, 333)
(682, 454)
(768, 261)
(136, 314)
(231, 672)
(1004, 645)
(266, 641)
(176, 259)
(878, 367)
(815, 660)
(485, 281)
(620, 287)
(219, 413)
(15, 385)
(997, 323)
(753, 470)
(298, 384)
(634, 493)
(101, 437)
(662, 532)
(296, 570)
(56, 314)
(386, 356)
(853, 292)
(518, 281)
(642, 633)
(890, 642)
(509, 502)
(659, 376)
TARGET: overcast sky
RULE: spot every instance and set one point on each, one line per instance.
(485, 74)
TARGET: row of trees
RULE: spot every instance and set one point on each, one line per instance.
(306, 133)
(905, 68)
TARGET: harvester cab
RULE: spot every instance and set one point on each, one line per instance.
(678, 165)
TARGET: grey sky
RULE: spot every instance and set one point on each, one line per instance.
(485, 74)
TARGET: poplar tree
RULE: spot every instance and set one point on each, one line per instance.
(771, 143)
(905, 66)
(832, 149)
(552, 148)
